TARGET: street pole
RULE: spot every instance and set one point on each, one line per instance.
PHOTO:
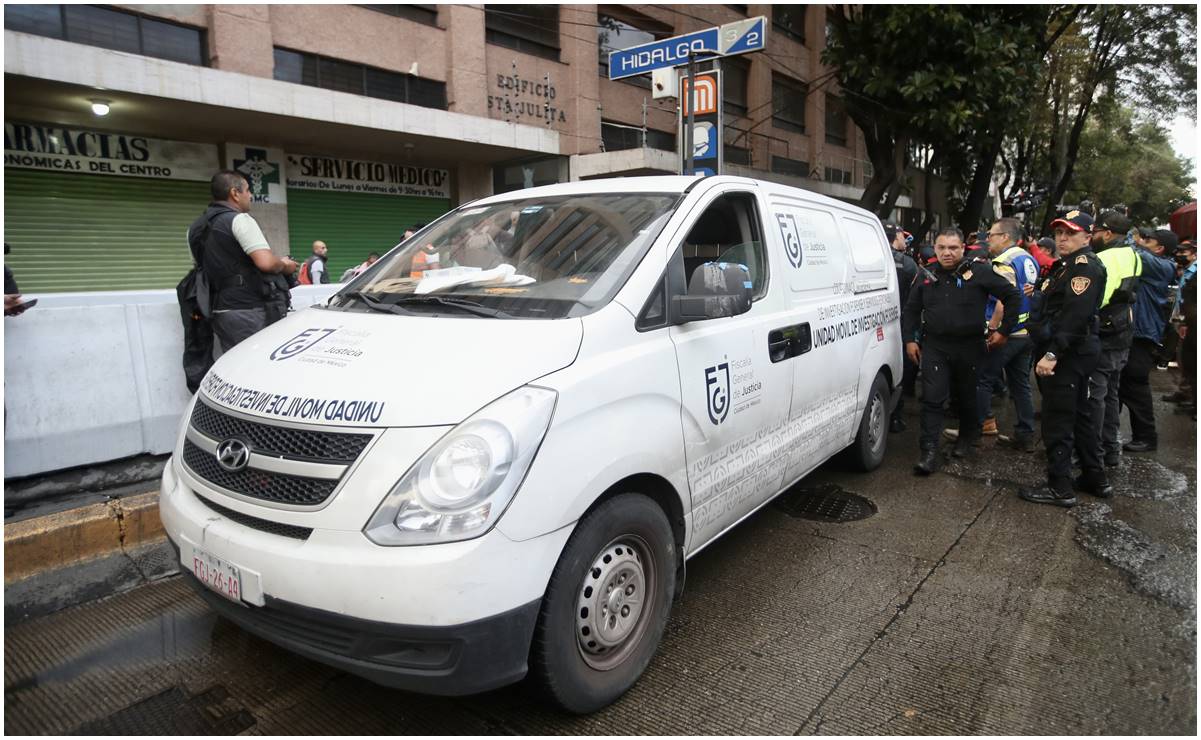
(689, 100)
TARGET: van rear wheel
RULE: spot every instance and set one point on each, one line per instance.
(867, 451)
(606, 605)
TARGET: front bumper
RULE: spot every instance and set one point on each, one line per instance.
(450, 619)
(447, 661)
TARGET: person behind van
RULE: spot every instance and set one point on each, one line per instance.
(946, 305)
(246, 277)
(313, 271)
(906, 274)
(354, 272)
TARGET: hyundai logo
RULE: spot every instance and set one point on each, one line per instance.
(233, 455)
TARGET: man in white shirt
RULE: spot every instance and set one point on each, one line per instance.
(245, 276)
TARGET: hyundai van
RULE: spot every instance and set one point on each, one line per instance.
(494, 452)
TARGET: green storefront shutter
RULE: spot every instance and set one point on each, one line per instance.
(92, 232)
(353, 225)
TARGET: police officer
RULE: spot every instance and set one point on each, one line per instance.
(1123, 266)
(1063, 328)
(906, 274)
(947, 306)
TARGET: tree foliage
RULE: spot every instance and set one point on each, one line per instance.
(1124, 160)
(1020, 85)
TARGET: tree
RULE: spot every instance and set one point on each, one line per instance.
(931, 74)
(1124, 160)
(1143, 52)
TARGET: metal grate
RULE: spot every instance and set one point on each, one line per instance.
(825, 502)
(260, 484)
(269, 439)
(262, 525)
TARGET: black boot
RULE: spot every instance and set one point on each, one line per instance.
(1023, 442)
(1097, 485)
(927, 463)
(1045, 494)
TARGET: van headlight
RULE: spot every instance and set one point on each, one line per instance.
(461, 485)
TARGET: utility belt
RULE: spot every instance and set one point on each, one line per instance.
(271, 291)
(1115, 319)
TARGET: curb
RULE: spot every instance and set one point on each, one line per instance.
(66, 538)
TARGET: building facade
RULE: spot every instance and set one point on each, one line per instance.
(354, 122)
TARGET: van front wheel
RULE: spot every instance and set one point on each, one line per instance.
(867, 451)
(606, 605)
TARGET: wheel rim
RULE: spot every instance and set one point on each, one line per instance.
(875, 423)
(613, 607)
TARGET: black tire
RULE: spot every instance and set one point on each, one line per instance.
(871, 441)
(585, 660)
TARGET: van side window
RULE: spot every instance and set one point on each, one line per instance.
(865, 246)
(728, 231)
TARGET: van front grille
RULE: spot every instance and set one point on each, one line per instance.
(279, 441)
(261, 484)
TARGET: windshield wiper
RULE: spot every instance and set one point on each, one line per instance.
(374, 304)
(463, 305)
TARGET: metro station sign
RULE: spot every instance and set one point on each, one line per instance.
(739, 37)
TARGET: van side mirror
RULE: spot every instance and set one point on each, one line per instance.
(716, 290)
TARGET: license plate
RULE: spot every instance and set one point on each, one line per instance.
(222, 577)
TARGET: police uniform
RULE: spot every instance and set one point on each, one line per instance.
(1123, 267)
(1064, 328)
(947, 307)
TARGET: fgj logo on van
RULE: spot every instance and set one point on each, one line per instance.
(717, 391)
(792, 238)
(299, 343)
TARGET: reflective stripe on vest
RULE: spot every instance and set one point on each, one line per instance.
(1007, 259)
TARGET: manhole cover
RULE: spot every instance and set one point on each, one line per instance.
(825, 502)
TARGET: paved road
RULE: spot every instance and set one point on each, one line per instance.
(957, 608)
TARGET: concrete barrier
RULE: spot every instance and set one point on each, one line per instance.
(93, 377)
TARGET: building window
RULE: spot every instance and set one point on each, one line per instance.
(735, 72)
(531, 29)
(836, 121)
(842, 177)
(359, 79)
(786, 166)
(789, 20)
(618, 136)
(788, 103)
(110, 29)
(427, 14)
(737, 155)
(613, 35)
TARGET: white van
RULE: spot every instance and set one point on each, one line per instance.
(493, 452)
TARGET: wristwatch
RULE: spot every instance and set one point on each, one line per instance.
(1050, 357)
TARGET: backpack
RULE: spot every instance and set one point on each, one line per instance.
(303, 276)
(195, 297)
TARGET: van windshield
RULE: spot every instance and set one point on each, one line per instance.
(547, 257)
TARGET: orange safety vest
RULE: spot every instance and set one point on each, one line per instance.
(421, 261)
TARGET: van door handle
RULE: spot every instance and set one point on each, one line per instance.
(779, 346)
(789, 341)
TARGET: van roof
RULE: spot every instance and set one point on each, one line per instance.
(655, 184)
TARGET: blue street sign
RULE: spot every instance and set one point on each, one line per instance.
(744, 36)
(658, 54)
(738, 37)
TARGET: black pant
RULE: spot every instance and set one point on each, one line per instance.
(949, 366)
(1068, 421)
(1134, 392)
